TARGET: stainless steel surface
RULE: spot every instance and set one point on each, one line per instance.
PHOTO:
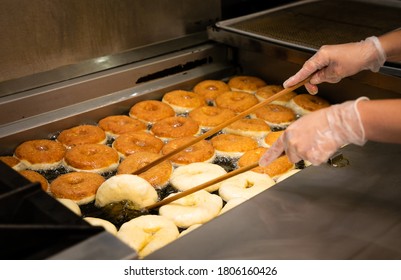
(275, 62)
(319, 213)
(97, 84)
(103, 246)
(49, 34)
(307, 25)
(78, 109)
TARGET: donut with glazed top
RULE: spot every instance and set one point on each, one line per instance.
(255, 128)
(248, 84)
(183, 101)
(210, 116)
(133, 142)
(278, 167)
(270, 138)
(34, 176)
(151, 111)
(82, 134)
(202, 151)
(196, 208)
(120, 124)
(236, 101)
(175, 127)
(303, 104)
(210, 89)
(274, 115)
(232, 146)
(268, 91)
(13, 162)
(95, 158)
(158, 176)
(40, 154)
(80, 187)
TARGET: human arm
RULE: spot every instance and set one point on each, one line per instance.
(334, 62)
(318, 135)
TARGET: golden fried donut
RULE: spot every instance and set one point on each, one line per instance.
(236, 101)
(120, 124)
(126, 187)
(96, 158)
(210, 116)
(183, 101)
(277, 168)
(196, 208)
(40, 154)
(13, 162)
(270, 138)
(275, 115)
(151, 111)
(246, 83)
(303, 104)
(158, 176)
(194, 174)
(202, 151)
(130, 143)
(232, 146)
(70, 204)
(268, 91)
(148, 233)
(245, 185)
(255, 128)
(80, 187)
(34, 176)
(175, 127)
(102, 223)
(210, 89)
(82, 134)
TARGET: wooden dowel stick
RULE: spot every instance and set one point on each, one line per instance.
(202, 186)
(219, 127)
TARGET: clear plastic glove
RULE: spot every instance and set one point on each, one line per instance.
(318, 135)
(334, 62)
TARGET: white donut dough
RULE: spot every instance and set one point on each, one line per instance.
(148, 233)
(70, 204)
(232, 203)
(102, 223)
(194, 174)
(188, 230)
(287, 174)
(126, 187)
(196, 208)
(245, 185)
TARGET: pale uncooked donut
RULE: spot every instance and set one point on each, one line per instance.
(102, 223)
(148, 233)
(245, 185)
(188, 230)
(70, 204)
(126, 187)
(194, 174)
(196, 208)
(232, 203)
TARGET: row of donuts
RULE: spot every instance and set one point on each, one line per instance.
(140, 138)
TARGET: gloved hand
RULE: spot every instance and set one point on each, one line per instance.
(318, 135)
(334, 62)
